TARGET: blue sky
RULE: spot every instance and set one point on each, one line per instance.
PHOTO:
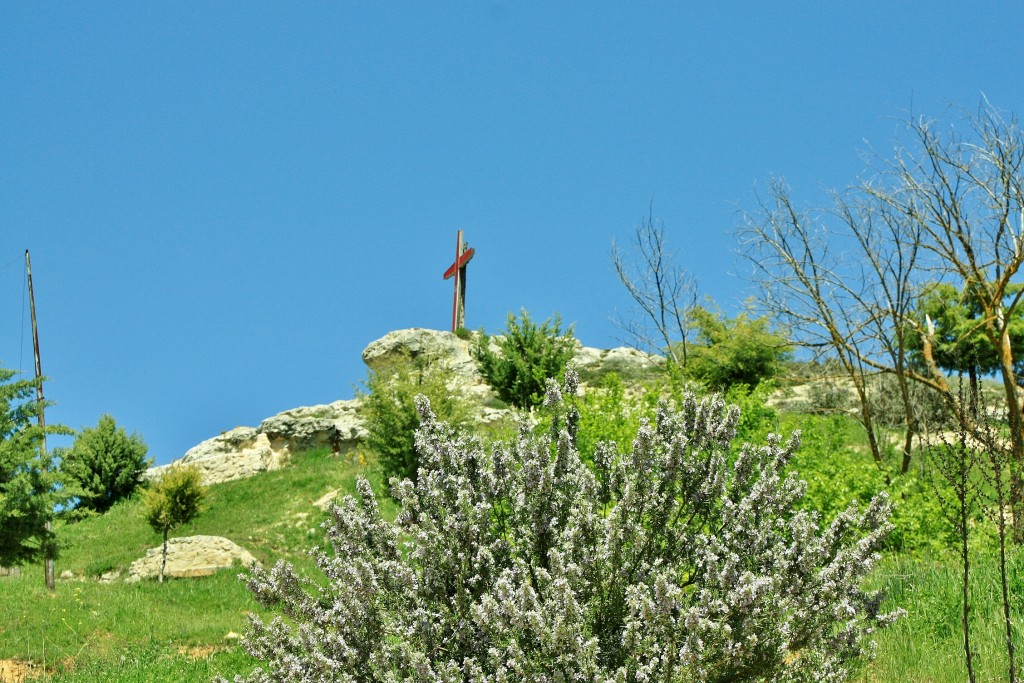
(226, 202)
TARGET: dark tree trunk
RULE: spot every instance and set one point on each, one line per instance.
(163, 557)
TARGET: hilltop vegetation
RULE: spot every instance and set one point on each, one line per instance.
(114, 631)
(574, 535)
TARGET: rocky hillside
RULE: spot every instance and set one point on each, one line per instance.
(244, 451)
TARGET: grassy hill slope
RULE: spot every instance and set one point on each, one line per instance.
(90, 630)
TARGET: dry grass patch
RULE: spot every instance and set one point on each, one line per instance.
(18, 671)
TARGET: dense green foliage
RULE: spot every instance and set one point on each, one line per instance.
(961, 343)
(105, 463)
(30, 484)
(389, 409)
(833, 461)
(732, 351)
(611, 413)
(526, 357)
(174, 499)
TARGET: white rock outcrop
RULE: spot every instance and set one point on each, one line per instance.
(401, 346)
(245, 451)
(235, 454)
(190, 556)
(337, 426)
(622, 359)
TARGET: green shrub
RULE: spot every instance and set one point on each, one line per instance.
(389, 409)
(731, 351)
(609, 413)
(528, 354)
(106, 464)
(757, 418)
(838, 474)
(175, 499)
(669, 562)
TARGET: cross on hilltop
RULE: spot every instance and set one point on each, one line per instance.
(463, 255)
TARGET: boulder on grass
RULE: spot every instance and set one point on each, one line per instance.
(190, 556)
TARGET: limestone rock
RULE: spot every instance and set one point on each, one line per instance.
(110, 577)
(325, 500)
(190, 556)
(245, 451)
(235, 454)
(401, 346)
(623, 360)
(336, 425)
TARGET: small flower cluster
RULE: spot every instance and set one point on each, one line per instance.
(672, 562)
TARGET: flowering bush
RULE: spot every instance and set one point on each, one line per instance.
(668, 563)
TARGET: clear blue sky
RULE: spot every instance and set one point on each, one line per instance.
(225, 202)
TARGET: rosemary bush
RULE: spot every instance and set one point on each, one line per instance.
(668, 563)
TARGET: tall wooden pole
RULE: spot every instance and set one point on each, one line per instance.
(48, 559)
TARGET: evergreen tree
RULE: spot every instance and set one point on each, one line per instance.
(106, 464)
(526, 357)
(960, 344)
(30, 485)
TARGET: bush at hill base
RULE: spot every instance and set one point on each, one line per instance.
(671, 562)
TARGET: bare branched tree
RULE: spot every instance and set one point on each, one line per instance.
(665, 293)
(889, 249)
(948, 207)
(966, 194)
(806, 286)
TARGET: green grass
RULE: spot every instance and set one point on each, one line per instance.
(153, 662)
(271, 515)
(92, 631)
(927, 645)
(89, 621)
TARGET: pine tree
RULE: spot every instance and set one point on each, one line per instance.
(106, 463)
(30, 483)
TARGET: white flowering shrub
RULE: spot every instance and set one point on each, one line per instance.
(668, 563)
